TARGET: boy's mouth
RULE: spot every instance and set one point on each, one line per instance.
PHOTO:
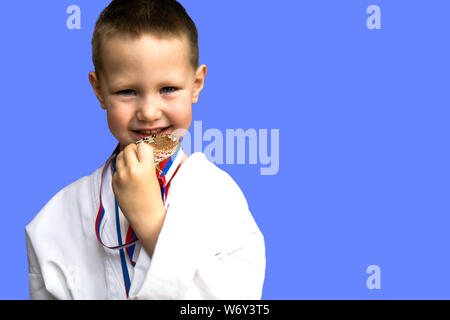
(141, 134)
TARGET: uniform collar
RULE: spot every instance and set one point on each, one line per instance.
(170, 165)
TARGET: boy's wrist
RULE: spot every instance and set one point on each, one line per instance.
(148, 227)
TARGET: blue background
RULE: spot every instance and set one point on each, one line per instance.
(363, 118)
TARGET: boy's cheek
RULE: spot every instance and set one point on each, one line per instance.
(118, 122)
(181, 118)
(182, 111)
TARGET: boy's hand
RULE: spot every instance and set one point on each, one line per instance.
(138, 193)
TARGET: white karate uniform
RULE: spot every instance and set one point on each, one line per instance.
(209, 246)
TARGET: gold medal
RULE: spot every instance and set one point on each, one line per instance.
(164, 146)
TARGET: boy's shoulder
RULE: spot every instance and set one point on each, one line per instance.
(209, 196)
(204, 179)
(61, 210)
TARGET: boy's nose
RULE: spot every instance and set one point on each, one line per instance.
(149, 112)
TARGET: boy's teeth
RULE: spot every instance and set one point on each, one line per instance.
(149, 132)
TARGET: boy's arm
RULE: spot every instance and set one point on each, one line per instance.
(149, 229)
(138, 194)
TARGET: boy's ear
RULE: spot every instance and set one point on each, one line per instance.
(97, 90)
(199, 82)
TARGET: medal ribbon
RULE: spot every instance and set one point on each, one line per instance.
(168, 169)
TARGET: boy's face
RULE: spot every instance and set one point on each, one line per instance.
(147, 83)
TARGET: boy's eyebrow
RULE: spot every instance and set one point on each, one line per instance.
(131, 83)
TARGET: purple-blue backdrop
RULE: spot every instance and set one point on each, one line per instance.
(363, 117)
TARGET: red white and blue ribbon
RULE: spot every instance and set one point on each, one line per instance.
(169, 168)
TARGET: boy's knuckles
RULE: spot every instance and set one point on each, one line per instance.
(133, 172)
(119, 177)
(131, 146)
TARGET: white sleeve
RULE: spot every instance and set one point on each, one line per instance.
(178, 273)
(237, 275)
(38, 290)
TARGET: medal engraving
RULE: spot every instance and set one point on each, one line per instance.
(164, 146)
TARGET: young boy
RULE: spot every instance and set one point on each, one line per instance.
(120, 233)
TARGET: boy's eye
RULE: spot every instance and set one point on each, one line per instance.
(126, 92)
(168, 89)
(163, 90)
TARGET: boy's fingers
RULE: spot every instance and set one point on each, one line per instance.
(130, 155)
(144, 152)
(119, 161)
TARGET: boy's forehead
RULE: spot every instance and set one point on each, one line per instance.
(124, 56)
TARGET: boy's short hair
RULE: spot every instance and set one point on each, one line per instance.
(164, 18)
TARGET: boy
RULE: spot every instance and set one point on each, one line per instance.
(119, 233)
